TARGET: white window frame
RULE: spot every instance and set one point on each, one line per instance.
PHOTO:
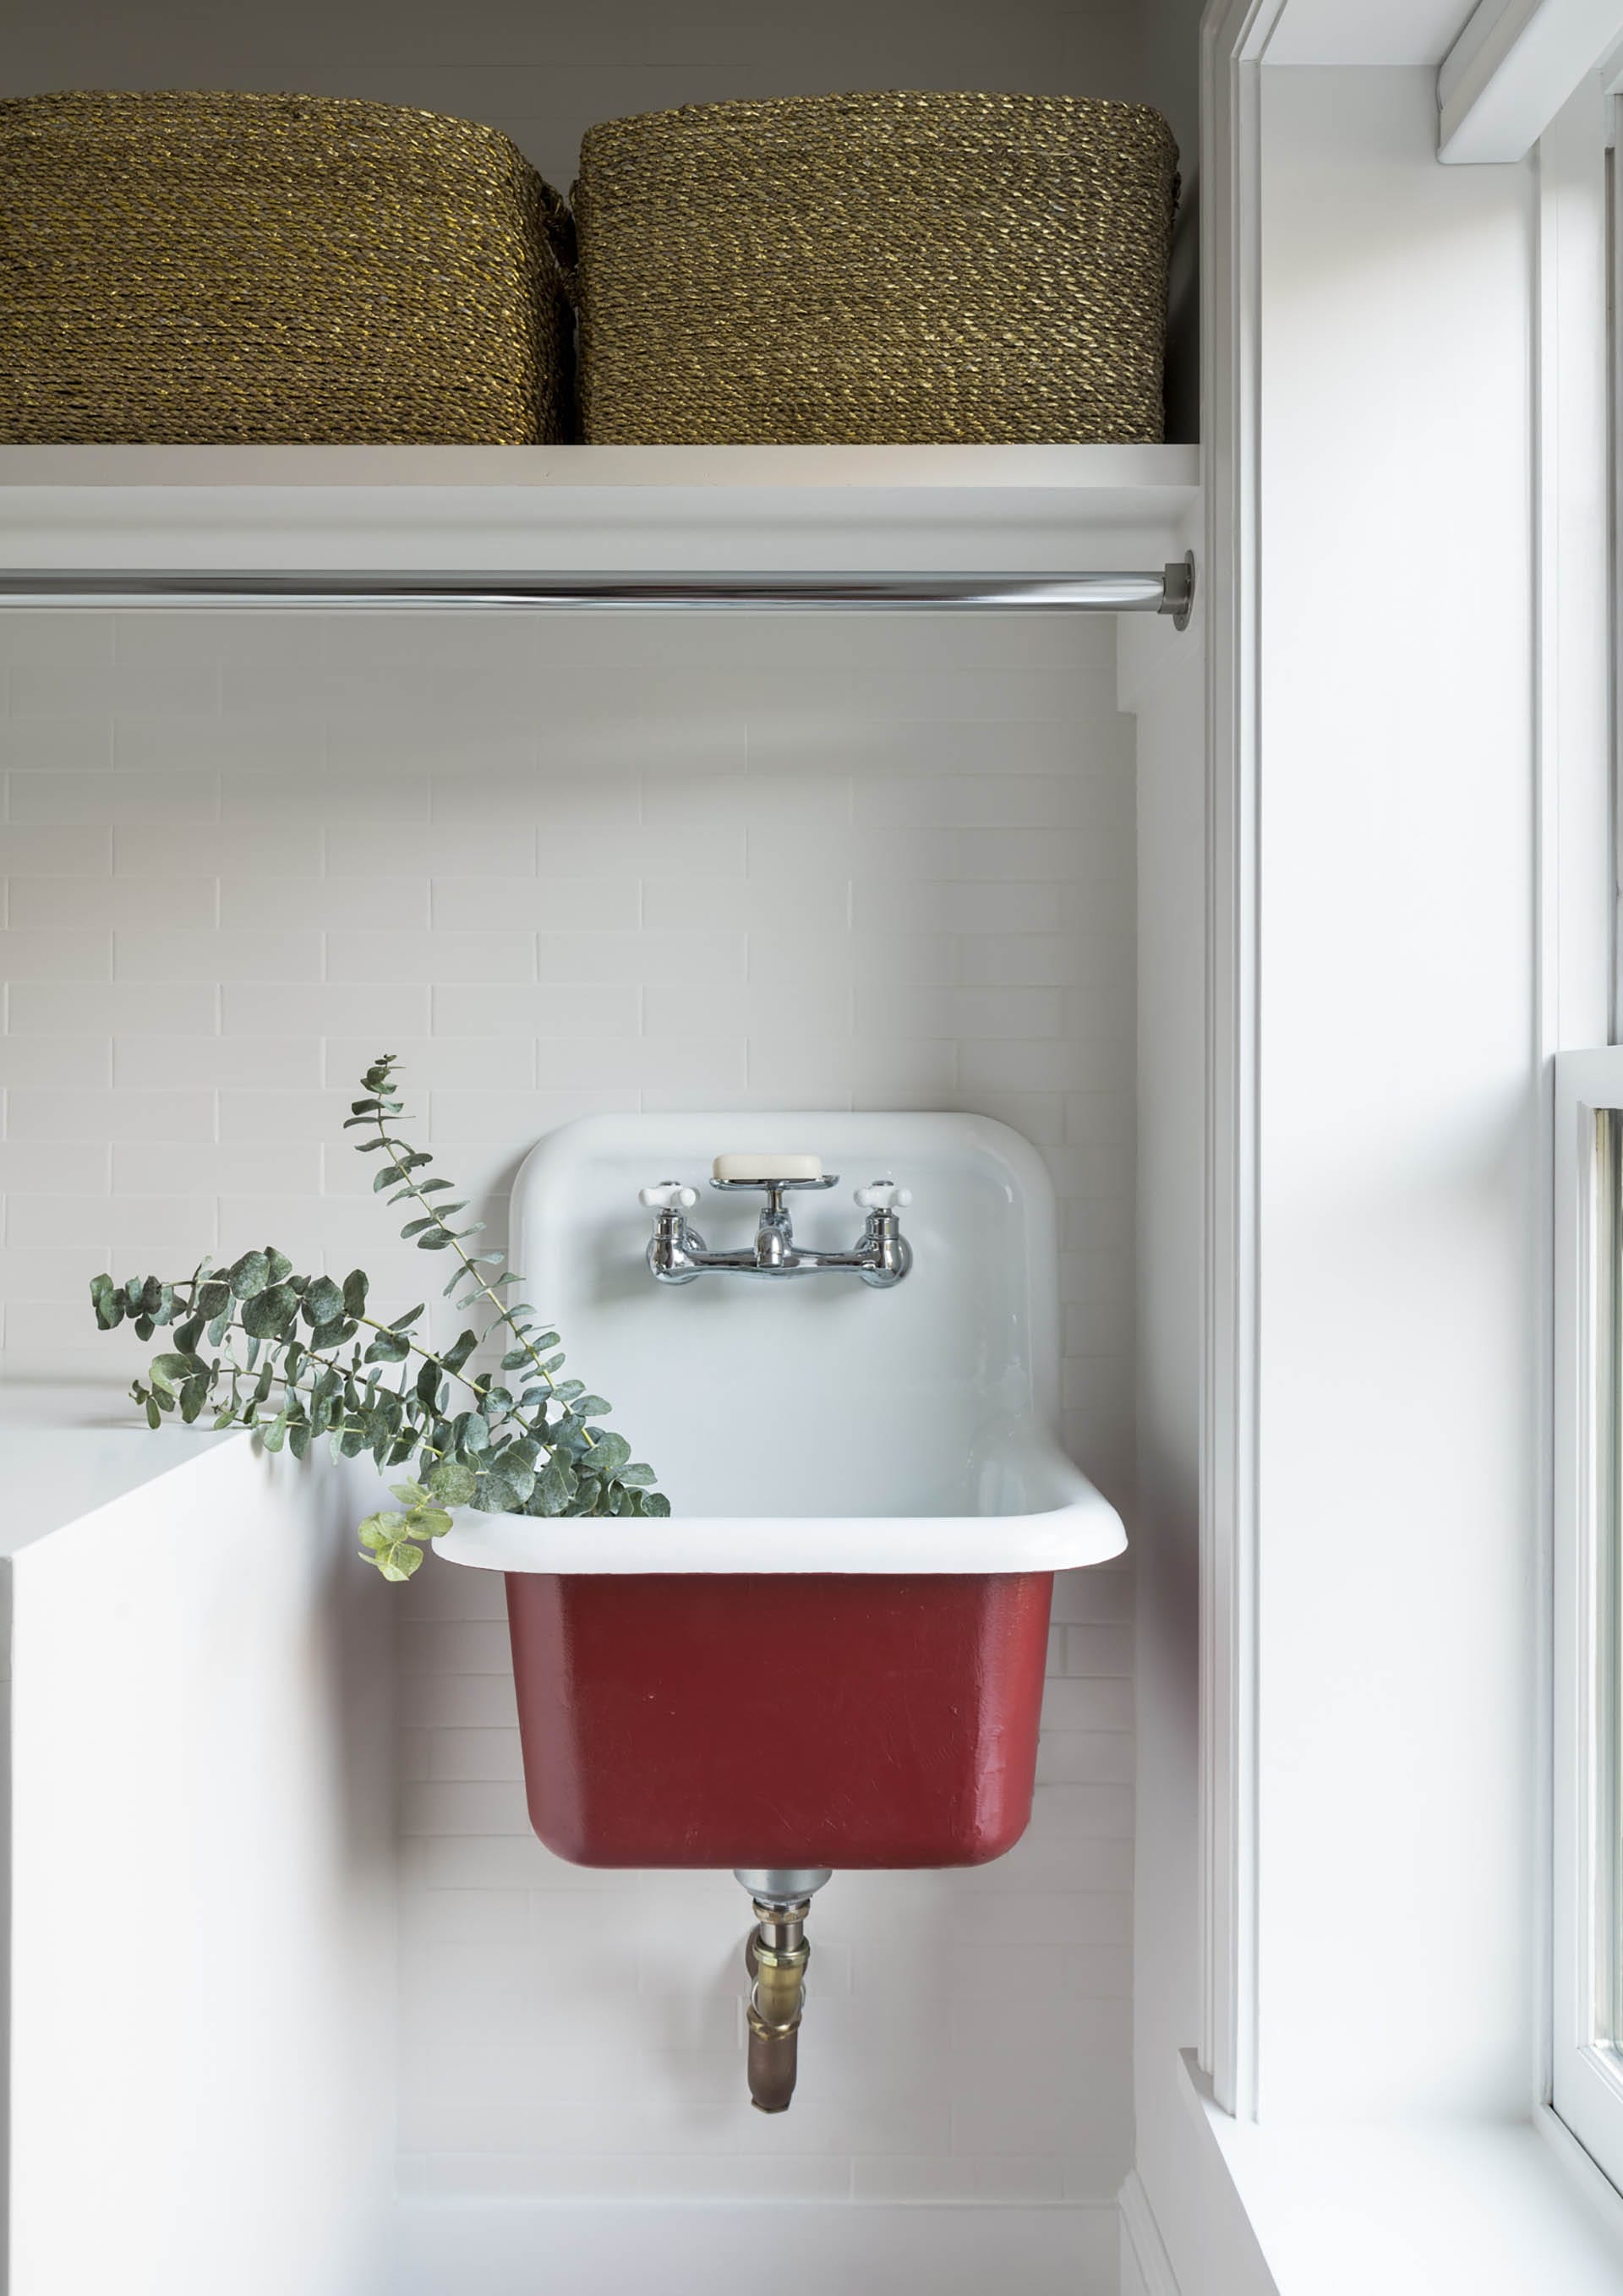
(1587, 2073)
(1584, 2075)
(1574, 894)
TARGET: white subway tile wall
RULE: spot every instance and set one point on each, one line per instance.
(563, 866)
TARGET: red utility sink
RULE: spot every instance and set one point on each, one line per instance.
(779, 1719)
(830, 1652)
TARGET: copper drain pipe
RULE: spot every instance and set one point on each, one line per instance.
(776, 1954)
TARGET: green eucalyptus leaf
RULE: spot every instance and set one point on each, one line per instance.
(324, 1302)
(555, 1486)
(280, 1265)
(250, 1275)
(107, 1301)
(166, 1373)
(452, 1483)
(505, 1486)
(398, 1560)
(355, 1288)
(267, 1311)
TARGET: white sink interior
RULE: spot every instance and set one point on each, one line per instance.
(815, 1400)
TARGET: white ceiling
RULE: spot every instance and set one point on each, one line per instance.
(1368, 31)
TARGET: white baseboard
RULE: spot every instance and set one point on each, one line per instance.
(1146, 2268)
(798, 2248)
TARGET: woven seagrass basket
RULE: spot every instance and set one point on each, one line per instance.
(274, 267)
(875, 267)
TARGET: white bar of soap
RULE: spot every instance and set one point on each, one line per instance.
(763, 1164)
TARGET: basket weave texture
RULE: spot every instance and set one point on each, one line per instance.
(878, 267)
(235, 267)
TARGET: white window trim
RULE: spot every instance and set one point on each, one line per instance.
(1234, 36)
(1512, 69)
(1577, 949)
(1586, 2077)
(1575, 932)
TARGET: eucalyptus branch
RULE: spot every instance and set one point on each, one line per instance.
(405, 1160)
(439, 1215)
(306, 1370)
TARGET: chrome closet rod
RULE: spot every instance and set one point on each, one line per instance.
(1170, 591)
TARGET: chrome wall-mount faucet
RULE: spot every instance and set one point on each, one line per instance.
(677, 1253)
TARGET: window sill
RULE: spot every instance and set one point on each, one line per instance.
(1411, 2208)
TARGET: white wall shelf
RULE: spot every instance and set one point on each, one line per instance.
(591, 509)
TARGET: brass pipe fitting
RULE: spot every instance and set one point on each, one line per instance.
(776, 1955)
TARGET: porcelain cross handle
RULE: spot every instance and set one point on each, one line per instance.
(883, 1196)
(668, 1196)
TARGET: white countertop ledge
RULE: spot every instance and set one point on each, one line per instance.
(68, 1452)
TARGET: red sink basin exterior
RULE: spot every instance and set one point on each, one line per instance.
(779, 1719)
